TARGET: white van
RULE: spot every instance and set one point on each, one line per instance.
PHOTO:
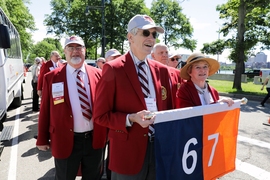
(11, 67)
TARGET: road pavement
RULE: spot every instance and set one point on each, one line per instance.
(21, 160)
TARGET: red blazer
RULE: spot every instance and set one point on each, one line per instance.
(188, 96)
(118, 94)
(55, 124)
(176, 81)
(45, 68)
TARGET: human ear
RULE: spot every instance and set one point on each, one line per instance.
(130, 37)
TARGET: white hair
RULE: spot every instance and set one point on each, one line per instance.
(158, 45)
(134, 31)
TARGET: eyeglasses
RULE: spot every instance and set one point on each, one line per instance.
(174, 59)
(147, 33)
(103, 62)
(71, 48)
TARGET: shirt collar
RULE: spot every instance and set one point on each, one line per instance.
(136, 60)
(71, 69)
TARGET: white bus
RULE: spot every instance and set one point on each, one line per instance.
(11, 67)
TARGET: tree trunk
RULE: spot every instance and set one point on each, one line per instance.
(240, 46)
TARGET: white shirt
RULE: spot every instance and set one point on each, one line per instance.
(268, 83)
(150, 81)
(55, 65)
(80, 124)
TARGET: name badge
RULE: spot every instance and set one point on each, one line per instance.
(51, 68)
(58, 93)
(151, 104)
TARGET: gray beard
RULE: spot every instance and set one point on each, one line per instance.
(76, 60)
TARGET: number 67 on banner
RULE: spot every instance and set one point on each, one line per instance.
(193, 153)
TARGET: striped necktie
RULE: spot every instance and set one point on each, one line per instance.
(143, 79)
(85, 105)
(145, 89)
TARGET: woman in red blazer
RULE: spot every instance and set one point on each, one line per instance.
(196, 91)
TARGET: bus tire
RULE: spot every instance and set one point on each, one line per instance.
(1, 126)
(22, 97)
(17, 102)
(3, 118)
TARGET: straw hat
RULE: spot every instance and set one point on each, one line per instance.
(195, 57)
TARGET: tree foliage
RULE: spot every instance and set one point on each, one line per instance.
(69, 17)
(84, 18)
(23, 21)
(44, 49)
(216, 47)
(178, 30)
(119, 12)
(247, 22)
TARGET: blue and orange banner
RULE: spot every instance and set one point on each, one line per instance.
(196, 143)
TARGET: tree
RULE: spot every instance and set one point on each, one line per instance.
(123, 11)
(44, 49)
(247, 21)
(178, 30)
(216, 47)
(23, 21)
(70, 17)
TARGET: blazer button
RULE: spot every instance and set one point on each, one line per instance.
(145, 135)
(71, 130)
(70, 116)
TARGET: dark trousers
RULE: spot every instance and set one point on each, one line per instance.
(148, 171)
(267, 96)
(35, 98)
(91, 161)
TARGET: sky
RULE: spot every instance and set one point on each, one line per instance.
(202, 15)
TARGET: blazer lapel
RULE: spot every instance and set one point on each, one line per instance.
(92, 82)
(131, 72)
(156, 80)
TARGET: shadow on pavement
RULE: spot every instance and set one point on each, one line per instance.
(49, 175)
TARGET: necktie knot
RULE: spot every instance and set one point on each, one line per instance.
(78, 71)
(141, 64)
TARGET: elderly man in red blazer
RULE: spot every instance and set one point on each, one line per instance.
(122, 105)
(65, 124)
(47, 67)
(160, 53)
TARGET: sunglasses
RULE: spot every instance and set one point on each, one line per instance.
(174, 59)
(103, 62)
(147, 33)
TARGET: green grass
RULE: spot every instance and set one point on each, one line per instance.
(247, 88)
